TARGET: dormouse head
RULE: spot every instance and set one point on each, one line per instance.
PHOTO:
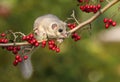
(59, 29)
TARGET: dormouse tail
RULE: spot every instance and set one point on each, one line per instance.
(26, 65)
(26, 68)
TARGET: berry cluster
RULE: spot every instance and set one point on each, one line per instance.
(2, 34)
(19, 59)
(30, 39)
(74, 36)
(109, 22)
(90, 8)
(71, 25)
(13, 49)
(43, 44)
(3, 39)
(51, 43)
(53, 46)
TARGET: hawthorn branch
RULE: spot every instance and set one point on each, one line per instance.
(18, 43)
(110, 4)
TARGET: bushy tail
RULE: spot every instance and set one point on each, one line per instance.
(26, 65)
(26, 68)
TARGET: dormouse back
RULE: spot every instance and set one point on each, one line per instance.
(45, 20)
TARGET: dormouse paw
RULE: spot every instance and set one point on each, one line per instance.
(59, 40)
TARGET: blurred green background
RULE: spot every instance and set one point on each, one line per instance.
(82, 61)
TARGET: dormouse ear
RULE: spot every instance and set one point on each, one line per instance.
(53, 26)
(65, 23)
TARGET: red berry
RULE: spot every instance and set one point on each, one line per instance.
(52, 42)
(78, 37)
(25, 57)
(107, 25)
(82, 8)
(2, 40)
(20, 59)
(18, 48)
(36, 44)
(71, 27)
(43, 42)
(94, 7)
(30, 41)
(57, 50)
(51, 46)
(49, 42)
(17, 57)
(105, 20)
(27, 37)
(34, 40)
(113, 23)
(74, 35)
(24, 38)
(15, 62)
(31, 35)
(74, 25)
(91, 6)
(69, 24)
(98, 6)
(3, 35)
(15, 51)
(5, 40)
(14, 48)
(9, 48)
(110, 21)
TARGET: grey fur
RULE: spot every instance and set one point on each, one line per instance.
(42, 26)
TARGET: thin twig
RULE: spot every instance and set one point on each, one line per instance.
(28, 49)
(20, 33)
(68, 19)
(73, 15)
(15, 37)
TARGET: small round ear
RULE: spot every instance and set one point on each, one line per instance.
(54, 26)
(36, 31)
(65, 23)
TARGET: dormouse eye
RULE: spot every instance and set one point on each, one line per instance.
(60, 30)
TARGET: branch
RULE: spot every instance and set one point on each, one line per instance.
(110, 4)
(18, 44)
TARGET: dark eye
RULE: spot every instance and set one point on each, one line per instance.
(60, 30)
